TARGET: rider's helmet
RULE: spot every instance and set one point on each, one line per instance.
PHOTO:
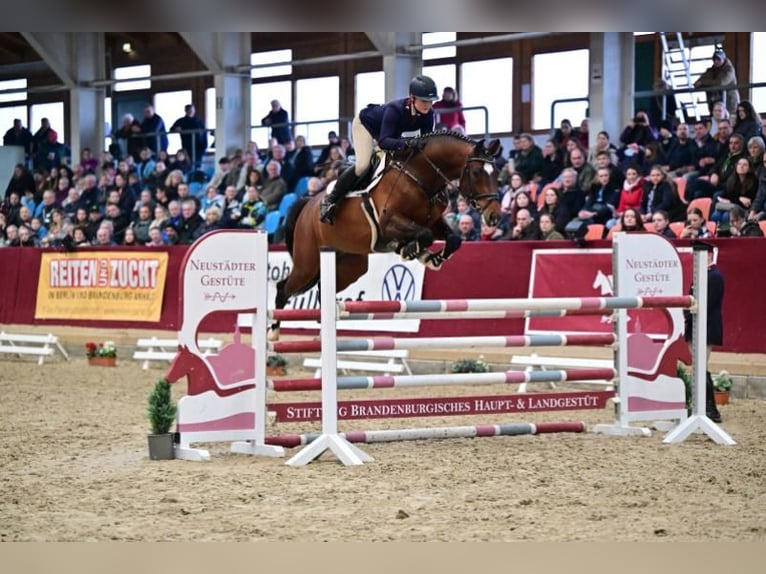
(423, 88)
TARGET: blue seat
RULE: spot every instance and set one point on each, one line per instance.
(272, 222)
(196, 188)
(287, 201)
(302, 187)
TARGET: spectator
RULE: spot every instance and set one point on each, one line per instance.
(286, 168)
(11, 236)
(27, 237)
(153, 130)
(334, 154)
(315, 186)
(11, 206)
(129, 137)
(190, 225)
(660, 194)
(46, 207)
(739, 226)
(741, 189)
(79, 239)
(661, 223)
(155, 237)
(679, 157)
(302, 159)
(130, 240)
(466, 229)
(553, 206)
(278, 120)
(529, 161)
(219, 177)
(601, 201)
(563, 134)
(145, 199)
(146, 166)
(212, 220)
(20, 136)
(180, 162)
(634, 139)
(572, 195)
(526, 228)
(723, 168)
(274, 188)
(231, 208)
(173, 181)
(719, 113)
(170, 233)
(41, 140)
(747, 122)
(516, 185)
(94, 222)
(553, 164)
(548, 229)
(40, 230)
(630, 220)
(522, 201)
(332, 140)
(630, 195)
(21, 180)
(254, 210)
(104, 237)
(119, 221)
(720, 74)
(755, 153)
(160, 215)
(696, 226)
(88, 163)
(656, 112)
(348, 149)
(604, 161)
(602, 144)
(213, 198)
(142, 224)
(71, 205)
(452, 115)
(195, 143)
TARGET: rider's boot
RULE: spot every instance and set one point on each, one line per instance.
(329, 203)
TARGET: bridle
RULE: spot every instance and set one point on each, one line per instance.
(472, 198)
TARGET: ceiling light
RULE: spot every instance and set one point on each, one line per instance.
(127, 48)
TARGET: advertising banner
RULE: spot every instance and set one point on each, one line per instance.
(101, 285)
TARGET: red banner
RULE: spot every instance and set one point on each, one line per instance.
(588, 273)
(444, 406)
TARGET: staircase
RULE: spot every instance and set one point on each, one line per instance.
(677, 72)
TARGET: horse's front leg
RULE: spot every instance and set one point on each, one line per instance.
(452, 242)
(412, 239)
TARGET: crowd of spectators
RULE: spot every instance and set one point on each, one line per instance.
(146, 197)
(649, 179)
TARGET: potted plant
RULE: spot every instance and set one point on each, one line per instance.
(470, 366)
(101, 354)
(685, 375)
(722, 383)
(276, 365)
(161, 412)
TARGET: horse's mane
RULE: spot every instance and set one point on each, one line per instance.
(445, 133)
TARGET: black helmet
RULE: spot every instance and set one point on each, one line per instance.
(423, 88)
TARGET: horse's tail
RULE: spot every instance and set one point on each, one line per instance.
(292, 218)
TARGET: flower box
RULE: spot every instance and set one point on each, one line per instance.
(102, 361)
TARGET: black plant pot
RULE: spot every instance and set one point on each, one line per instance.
(161, 446)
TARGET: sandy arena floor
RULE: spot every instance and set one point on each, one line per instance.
(75, 468)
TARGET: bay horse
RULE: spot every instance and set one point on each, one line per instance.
(402, 213)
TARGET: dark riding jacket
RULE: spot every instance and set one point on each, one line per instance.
(387, 122)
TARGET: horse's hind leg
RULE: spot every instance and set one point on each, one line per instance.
(303, 276)
(349, 268)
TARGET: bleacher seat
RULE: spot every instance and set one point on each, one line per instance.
(287, 201)
(273, 221)
(302, 187)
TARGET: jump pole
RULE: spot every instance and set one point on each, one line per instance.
(330, 440)
(699, 420)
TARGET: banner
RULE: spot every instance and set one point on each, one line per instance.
(101, 285)
(388, 279)
(588, 273)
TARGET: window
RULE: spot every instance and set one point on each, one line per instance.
(443, 76)
(170, 106)
(211, 113)
(21, 96)
(370, 88)
(260, 105)
(700, 59)
(487, 83)
(430, 38)
(129, 73)
(272, 57)
(55, 114)
(108, 122)
(758, 70)
(10, 113)
(556, 76)
(317, 99)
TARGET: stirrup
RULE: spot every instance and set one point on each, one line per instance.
(327, 211)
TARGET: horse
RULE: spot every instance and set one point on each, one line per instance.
(402, 213)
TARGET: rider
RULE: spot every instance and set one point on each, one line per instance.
(384, 123)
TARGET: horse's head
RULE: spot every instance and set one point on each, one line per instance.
(182, 365)
(478, 182)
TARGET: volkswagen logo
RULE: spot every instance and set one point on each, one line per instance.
(398, 284)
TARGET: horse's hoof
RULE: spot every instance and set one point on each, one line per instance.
(273, 335)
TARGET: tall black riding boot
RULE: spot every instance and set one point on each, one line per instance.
(711, 409)
(329, 204)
